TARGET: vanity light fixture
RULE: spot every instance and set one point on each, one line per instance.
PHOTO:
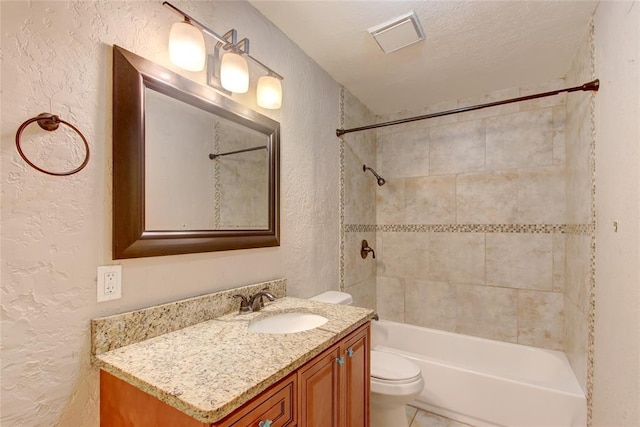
(186, 46)
(234, 73)
(269, 92)
(227, 68)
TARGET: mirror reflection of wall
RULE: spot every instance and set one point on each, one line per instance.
(242, 179)
(184, 188)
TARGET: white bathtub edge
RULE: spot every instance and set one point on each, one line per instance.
(481, 397)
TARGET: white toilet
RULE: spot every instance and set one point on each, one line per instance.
(395, 380)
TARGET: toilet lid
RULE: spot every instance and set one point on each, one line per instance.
(388, 366)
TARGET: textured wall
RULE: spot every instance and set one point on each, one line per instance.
(616, 389)
(56, 57)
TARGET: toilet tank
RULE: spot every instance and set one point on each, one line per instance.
(334, 297)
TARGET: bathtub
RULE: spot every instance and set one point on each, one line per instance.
(484, 382)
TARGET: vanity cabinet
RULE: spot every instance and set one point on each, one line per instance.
(123, 405)
(334, 386)
(331, 390)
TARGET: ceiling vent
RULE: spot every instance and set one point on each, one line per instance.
(398, 33)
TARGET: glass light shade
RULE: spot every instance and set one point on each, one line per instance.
(269, 92)
(186, 46)
(234, 73)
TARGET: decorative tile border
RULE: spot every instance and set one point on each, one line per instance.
(577, 229)
(360, 228)
(342, 226)
(216, 177)
(592, 255)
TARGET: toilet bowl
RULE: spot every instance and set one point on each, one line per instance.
(395, 380)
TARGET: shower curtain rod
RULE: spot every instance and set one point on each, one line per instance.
(593, 85)
(215, 155)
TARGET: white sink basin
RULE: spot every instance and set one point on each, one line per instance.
(287, 323)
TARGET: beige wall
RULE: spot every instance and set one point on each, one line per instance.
(617, 323)
(56, 57)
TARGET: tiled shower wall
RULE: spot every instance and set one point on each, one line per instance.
(580, 241)
(358, 202)
(480, 210)
(470, 221)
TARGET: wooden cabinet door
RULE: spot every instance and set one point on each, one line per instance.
(336, 394)
(319, 397)
(356, 375)
(276, 405)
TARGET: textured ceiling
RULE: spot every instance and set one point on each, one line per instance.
(472, 47)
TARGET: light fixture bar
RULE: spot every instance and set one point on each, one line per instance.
(220, 38)
(195, 22)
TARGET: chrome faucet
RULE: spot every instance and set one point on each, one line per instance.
(254, 302)
(244, 304)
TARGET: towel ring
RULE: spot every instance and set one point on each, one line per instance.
(51, 122)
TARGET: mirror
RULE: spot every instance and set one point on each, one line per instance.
(202, 172)
(193, 171)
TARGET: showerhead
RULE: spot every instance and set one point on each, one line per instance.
(381, 180)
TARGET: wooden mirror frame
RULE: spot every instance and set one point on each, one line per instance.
(131, 75)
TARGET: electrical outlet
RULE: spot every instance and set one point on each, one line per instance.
(109, 282)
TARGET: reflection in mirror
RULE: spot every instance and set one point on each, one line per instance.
(203, 172)
(193, 171)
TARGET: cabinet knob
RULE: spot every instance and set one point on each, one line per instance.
(265, 423)
(350, 352)
(340, 360)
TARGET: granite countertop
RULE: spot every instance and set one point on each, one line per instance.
(211, 368)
